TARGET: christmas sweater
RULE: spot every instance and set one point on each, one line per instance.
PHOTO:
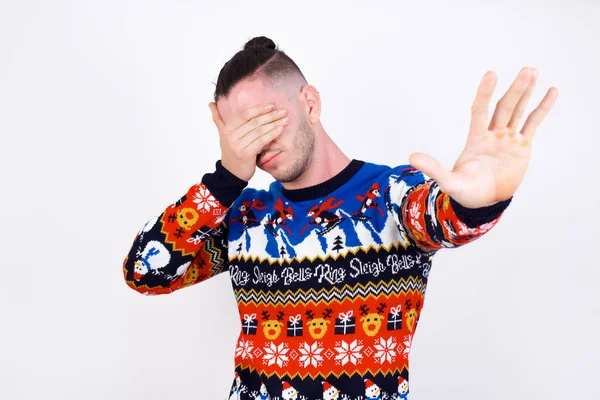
(330, 280)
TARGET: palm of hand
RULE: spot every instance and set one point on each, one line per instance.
(495, 158)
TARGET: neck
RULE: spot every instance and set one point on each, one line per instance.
(327, 161)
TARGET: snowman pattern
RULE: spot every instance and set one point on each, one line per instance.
(288, 392)
(154, 257)
(372, 390)
(330, 392)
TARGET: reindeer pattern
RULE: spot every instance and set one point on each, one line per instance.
(333, 284)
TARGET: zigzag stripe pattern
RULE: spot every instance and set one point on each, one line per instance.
(358, 292)
(392, 370)
(216, 260)
(330, 282)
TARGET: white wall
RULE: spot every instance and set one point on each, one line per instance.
(104, 122)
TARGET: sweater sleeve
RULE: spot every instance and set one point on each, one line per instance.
(187, 242)
(434, 220)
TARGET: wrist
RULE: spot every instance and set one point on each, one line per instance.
(231, 169)
(224, 185)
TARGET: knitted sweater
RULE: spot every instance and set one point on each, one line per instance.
(329, 280)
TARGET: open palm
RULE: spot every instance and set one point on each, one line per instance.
(495, 158)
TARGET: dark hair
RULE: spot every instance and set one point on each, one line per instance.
(260, 57)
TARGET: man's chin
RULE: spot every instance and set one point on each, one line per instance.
(274, 172)
(268, 170)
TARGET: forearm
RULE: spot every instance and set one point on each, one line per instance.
(177, 248)
(434, 220)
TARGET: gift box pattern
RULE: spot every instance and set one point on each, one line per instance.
(294, 326)
(345, 324)
(394, 321)
(249, 324)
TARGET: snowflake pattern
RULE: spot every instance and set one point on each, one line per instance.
(386, 350)
(285, 288)
(311, 354)
(276, 354)
(205, 200)
(244, 349)
(407, 345)
(348, 352)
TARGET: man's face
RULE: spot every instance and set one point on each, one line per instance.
(288, 156)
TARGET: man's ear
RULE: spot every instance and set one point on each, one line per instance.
(312, 102)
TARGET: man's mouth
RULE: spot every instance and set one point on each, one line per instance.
(265, 158)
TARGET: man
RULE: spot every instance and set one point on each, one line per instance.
(330, 265)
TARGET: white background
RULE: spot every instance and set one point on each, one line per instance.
(104, 122)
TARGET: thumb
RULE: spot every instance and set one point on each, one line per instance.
(215, 115)
(432, 168)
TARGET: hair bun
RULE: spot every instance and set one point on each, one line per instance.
(260, 41)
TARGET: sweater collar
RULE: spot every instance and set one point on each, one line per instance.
(324, 188)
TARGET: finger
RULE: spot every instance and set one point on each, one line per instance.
(537, 116)
(513, 124)
(247, 114)
(216, 116)
(481, 104)
(250, 137)
(256, 146)
(506, 105)
(259, 121)
(431, 167)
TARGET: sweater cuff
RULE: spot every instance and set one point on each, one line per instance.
(473, 217)
(223, 185)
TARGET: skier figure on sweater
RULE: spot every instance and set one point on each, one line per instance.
(269, 117)
(248, 219)
(320, 214)
(368, 201)
(279, 217)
